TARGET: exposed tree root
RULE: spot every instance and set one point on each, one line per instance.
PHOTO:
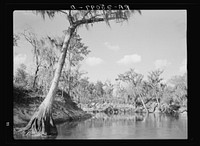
(41, 124)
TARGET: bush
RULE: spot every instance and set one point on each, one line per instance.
(18, 94)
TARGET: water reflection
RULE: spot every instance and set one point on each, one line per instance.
(20, 136)
(125, 126)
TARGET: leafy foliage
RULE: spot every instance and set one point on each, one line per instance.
(16, 37)
(154, 83)
(21, 75)
(78, 18)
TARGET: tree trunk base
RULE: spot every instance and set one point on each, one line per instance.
(41, 124)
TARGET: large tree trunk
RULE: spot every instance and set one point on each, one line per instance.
(42, 122)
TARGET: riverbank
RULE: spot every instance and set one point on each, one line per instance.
(26, 103)
(113, 108)
(65, 109)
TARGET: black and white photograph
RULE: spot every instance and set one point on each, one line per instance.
(100, 74)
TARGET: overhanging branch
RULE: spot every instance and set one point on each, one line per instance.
(69, 16)
(93, 20)
(64, 12)
(86, 14)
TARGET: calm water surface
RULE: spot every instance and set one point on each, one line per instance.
(135, 126)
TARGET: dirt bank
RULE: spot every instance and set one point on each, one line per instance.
(26, 102)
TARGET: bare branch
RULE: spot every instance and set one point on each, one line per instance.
(70, 14)
(86, 14)
(29, 39)
(70, 18)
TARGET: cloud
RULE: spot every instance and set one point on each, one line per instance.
(137, 70)
(183, 67)
(112, 47)
(92, 61)
(129, 59)
(18, 59)
(160, 64)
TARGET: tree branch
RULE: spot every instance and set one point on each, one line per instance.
(64, 12)
(86, 14)
(69, 16)
(94, 19)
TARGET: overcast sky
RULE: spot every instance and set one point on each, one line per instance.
(155, 39)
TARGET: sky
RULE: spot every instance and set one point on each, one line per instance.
(154, 40)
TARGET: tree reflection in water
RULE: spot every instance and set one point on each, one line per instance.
(134, 126)
(127, 126)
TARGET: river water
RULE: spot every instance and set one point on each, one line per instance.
(126, 126)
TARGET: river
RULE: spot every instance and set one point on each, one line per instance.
(123, 126)
(126, 126)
